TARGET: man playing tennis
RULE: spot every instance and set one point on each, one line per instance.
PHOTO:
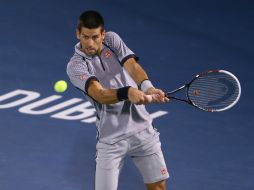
(106, 70)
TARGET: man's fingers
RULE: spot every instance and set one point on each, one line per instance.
(166, 99)
(149, 98)
(156, 98)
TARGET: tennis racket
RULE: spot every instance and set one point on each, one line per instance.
(212, 91)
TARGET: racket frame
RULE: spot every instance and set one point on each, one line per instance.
(187, 100)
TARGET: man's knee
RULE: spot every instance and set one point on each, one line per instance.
(160, 185)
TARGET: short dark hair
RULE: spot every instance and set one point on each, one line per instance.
(90, 19)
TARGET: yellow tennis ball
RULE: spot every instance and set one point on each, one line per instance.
(60, 86)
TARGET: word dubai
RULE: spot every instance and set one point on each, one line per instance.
(72, 109)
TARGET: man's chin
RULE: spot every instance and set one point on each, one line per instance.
(91, 53)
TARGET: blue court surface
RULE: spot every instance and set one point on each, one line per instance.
(47, 140)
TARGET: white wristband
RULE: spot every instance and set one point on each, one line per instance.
(145, 85)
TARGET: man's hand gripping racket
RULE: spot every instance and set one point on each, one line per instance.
(212, 91)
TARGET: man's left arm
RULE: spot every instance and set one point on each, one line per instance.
(139, 75)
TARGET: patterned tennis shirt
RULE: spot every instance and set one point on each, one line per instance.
(114, 121)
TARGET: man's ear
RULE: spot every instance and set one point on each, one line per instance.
(103, 34)
(77, 34)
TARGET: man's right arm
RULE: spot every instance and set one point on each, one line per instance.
(87, 82)
(111, 96)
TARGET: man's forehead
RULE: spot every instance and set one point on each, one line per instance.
(88, 31)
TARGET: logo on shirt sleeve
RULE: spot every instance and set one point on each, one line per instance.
(83, 77)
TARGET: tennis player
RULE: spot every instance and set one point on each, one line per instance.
(108, 74)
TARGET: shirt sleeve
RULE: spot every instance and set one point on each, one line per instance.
(79, 75)
(117, 45)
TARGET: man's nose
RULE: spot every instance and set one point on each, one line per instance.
(89, 42)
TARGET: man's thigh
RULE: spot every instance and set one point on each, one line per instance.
(109, 162)
(149, 158)
(107, 179)
(152, 167)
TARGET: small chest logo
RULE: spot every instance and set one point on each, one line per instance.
(107, 54)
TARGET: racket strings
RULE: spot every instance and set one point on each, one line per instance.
(213, 91)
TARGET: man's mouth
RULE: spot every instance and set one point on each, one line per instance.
(90, 49)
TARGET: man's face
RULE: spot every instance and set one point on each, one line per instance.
(91, 40)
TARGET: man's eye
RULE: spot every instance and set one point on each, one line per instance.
(85, 37)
